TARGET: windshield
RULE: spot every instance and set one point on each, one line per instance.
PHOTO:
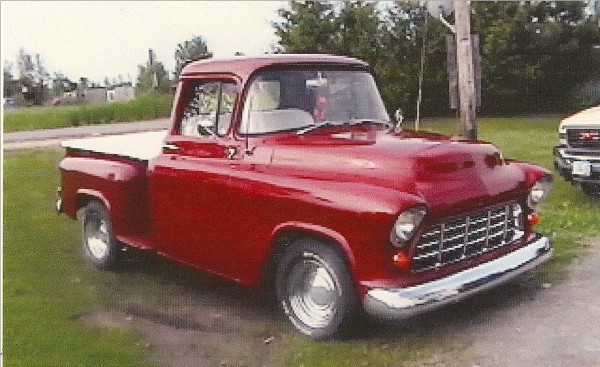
(283, 100)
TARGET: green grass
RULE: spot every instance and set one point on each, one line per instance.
(146, 107)
(46, 285)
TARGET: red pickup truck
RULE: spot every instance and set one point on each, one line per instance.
(285, 172)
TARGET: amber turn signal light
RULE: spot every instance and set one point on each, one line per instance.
(533, 219)
(401, 260)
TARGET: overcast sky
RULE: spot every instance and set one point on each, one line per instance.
(95, 39)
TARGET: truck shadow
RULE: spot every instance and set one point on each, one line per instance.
(453, 319)
(162, 291)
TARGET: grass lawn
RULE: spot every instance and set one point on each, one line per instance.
(146, 107)
(47, 284)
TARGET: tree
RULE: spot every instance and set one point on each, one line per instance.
(62, 84)
(190, 50)
(536, 56)
(32, 77)
(405, 32)
(358, 31)
(389, 40)
(9, 86)
(307, 27)
(153, 78)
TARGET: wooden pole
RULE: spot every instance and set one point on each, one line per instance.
(466, 71)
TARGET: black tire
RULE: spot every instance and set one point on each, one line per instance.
(98, 237)
(315, 290)
(590, 189)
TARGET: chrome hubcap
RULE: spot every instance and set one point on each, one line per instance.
(313, 292)
(96, 236)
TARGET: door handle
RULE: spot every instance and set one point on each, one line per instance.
(170, 147)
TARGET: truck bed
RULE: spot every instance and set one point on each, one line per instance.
(141, 146)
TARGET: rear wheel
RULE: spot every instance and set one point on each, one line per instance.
(315, 290)
(99, 242)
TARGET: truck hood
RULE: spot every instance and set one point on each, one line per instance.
(589, 117)
(445, 173)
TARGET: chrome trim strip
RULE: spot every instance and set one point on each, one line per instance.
(466, 237)
(428, 255)
(405, 302)
(581, 157)
(441, 244)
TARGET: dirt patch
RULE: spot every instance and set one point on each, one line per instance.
(201, 321)
(181, 340)
(190, 319)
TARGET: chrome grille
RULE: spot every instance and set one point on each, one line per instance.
(468, 236)
(583, 138)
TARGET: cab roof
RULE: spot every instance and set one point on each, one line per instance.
(244, 66)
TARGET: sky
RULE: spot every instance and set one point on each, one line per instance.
(95, 39)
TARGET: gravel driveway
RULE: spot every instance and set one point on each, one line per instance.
(557, 326)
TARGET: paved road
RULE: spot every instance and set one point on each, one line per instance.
(52, 137)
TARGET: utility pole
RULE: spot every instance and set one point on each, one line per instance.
(466, 71)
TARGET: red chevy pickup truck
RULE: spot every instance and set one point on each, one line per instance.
(285, 172)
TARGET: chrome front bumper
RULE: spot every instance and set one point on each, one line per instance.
(563, 162)
(405, 302)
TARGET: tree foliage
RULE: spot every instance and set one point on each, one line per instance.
(307, 27)
(9, 86)
(153, 78)
(536, 56)
(61, 84)
(190, 50)
(33, 77)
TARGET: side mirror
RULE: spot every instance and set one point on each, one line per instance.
(399, 116)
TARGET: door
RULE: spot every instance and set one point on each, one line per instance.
(188, 181)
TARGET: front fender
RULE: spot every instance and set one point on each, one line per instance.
(318, 231)
(533, 172)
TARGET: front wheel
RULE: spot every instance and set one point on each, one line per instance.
(591, 189)
(315, 290)
(99, 241)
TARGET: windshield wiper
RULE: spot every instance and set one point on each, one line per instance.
(352, 122)
(317, 125)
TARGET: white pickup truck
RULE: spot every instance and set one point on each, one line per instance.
(577, 157)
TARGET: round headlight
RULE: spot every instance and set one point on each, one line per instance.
(539, 191)
(406, 225)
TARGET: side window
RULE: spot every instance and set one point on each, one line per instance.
(208, 109)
